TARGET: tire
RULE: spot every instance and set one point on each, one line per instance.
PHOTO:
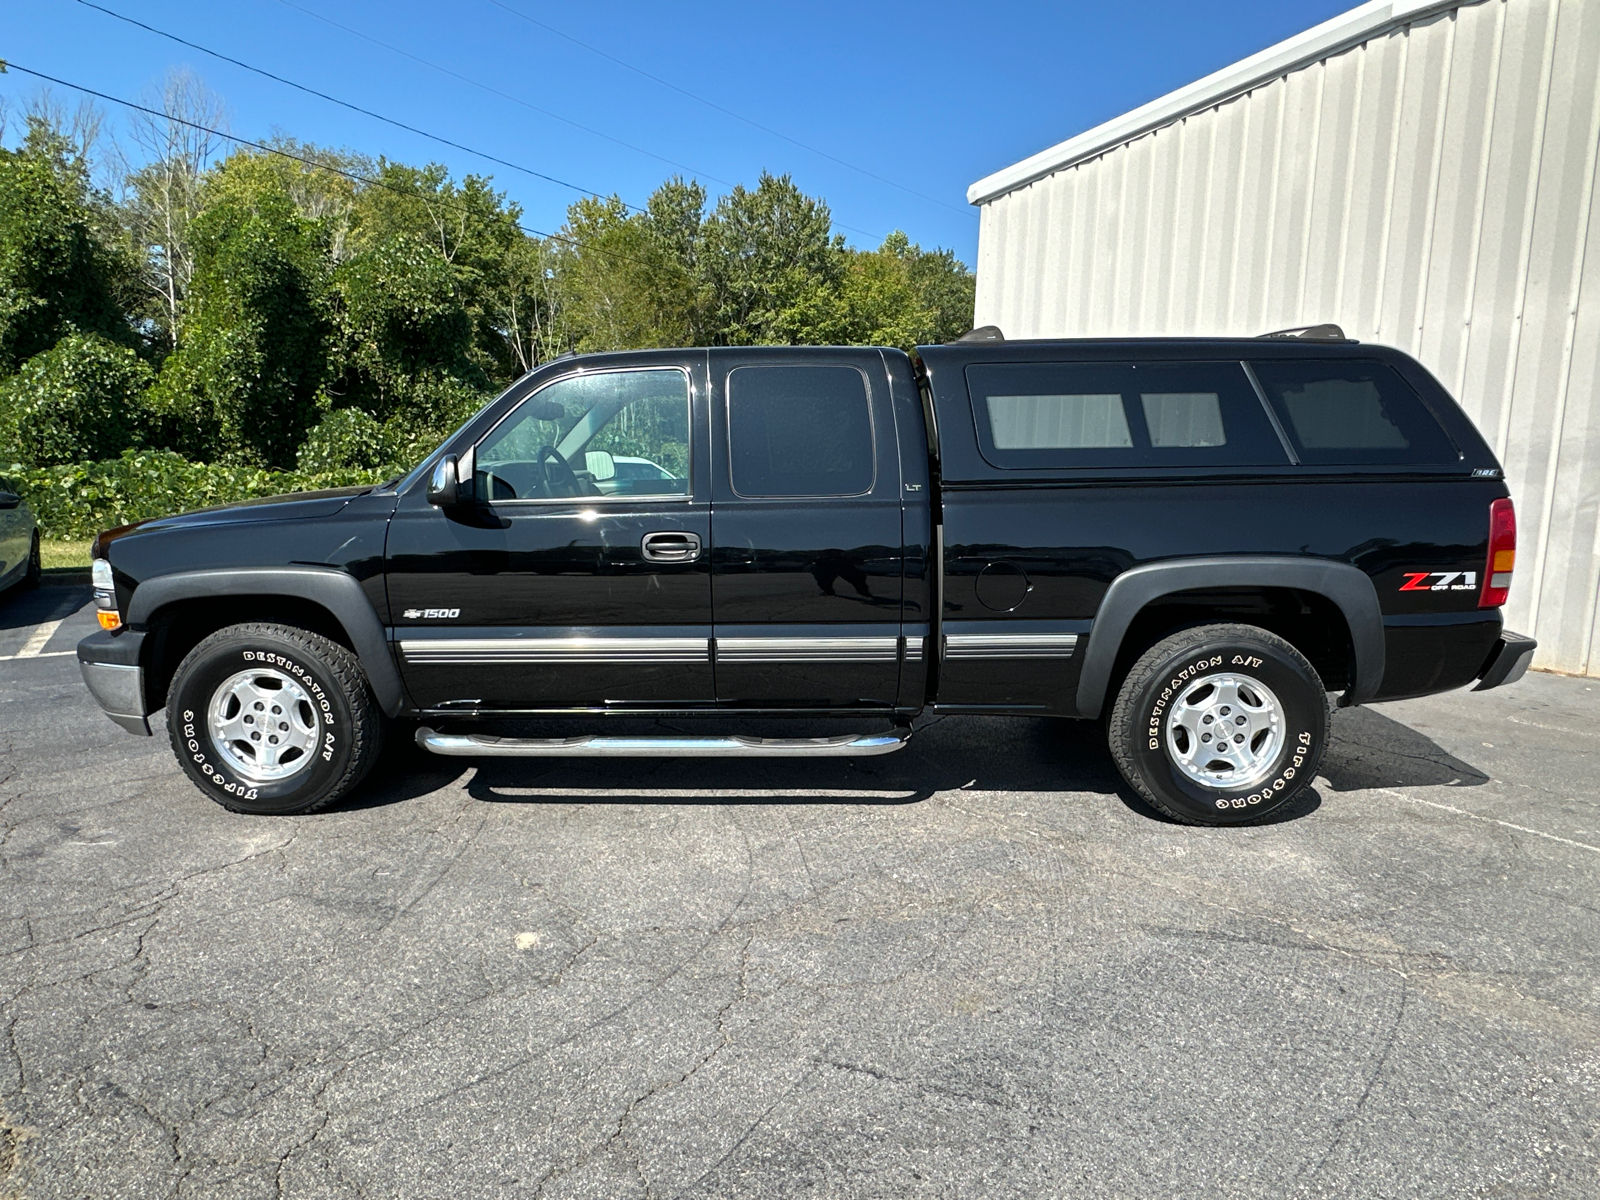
(1187, 686)
(35, 572)
(237, 684)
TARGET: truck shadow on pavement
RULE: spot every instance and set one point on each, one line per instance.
(1370, 750)
(951, 754)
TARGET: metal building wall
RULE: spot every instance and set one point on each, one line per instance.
(1432, 189)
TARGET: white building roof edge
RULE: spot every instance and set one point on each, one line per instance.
(1346, 30)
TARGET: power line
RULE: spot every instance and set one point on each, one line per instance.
(494, 91)
(666, 83)
(524, 103)
(263, 148)
(366, 112)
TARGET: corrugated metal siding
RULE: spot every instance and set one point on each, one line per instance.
(1433, 189)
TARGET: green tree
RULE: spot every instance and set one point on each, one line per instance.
(348, 438)
(243, 382)
(469, 226)
(627, 279)
(946, 291)
(773, 268)
(401, 322)
(900, 295)
(81, 399)
(61, 266)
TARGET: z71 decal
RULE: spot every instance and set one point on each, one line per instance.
(1440, 581)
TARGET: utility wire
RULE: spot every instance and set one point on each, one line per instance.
(366, 112)
(518, 100)
(366, 37)
(666, 83)
(10, 65)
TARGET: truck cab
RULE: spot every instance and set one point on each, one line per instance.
(774, 532)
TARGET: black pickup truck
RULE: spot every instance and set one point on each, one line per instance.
(1194, 542)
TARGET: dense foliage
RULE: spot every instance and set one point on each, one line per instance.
(272, 321)
(82, 398)
(78, 500)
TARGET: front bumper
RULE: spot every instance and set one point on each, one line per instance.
(1507, 662)
(110, 666)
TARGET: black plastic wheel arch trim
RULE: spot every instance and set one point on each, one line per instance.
(1346, 586)
(338, 592)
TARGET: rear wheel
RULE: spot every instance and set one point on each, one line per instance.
(271, 719)
(1220, 725)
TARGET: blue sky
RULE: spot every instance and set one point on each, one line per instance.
(929, 96)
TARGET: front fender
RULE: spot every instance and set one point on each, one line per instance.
(338, 592)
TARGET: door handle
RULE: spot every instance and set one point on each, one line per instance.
(670, 547)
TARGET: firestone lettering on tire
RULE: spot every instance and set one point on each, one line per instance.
(192, 740)
(1301, 748)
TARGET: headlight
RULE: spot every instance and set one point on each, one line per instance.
(105, 594)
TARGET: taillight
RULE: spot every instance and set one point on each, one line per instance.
(1502, 554)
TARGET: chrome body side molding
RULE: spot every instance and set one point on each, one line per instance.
(506, 650)
(808, 649)
(990, 642)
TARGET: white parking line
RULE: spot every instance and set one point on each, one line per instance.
(1461, 812)
(47, 654)
(39, 639)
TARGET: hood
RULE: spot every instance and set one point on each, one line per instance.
(292, 506)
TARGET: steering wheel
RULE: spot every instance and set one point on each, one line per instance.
(559, 479)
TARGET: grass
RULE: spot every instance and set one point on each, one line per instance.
(56, 555)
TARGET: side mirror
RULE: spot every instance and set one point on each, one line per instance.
(11, 499)
(600, 465)
(443, 488)
(451, 485)
(452, 482)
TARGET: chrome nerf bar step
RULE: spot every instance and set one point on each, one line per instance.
(475, 745)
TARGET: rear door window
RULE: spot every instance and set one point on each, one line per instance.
(1201, 414)
(1353, 413)
(799, 431)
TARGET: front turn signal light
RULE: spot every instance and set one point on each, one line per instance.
(109, 620)
(1502, 554)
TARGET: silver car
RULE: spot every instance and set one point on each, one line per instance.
(19, 539)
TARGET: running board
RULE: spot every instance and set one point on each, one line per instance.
(475, 745)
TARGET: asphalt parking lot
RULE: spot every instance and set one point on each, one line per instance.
(979, 968)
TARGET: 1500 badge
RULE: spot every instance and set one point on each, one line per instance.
(432, 614)
(1440, 581)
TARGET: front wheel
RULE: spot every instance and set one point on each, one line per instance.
(272, 719)
(1220, 725)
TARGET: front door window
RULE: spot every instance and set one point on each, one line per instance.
(617, 433)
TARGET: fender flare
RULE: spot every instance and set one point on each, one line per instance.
(1346, 586)
(337, 591)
